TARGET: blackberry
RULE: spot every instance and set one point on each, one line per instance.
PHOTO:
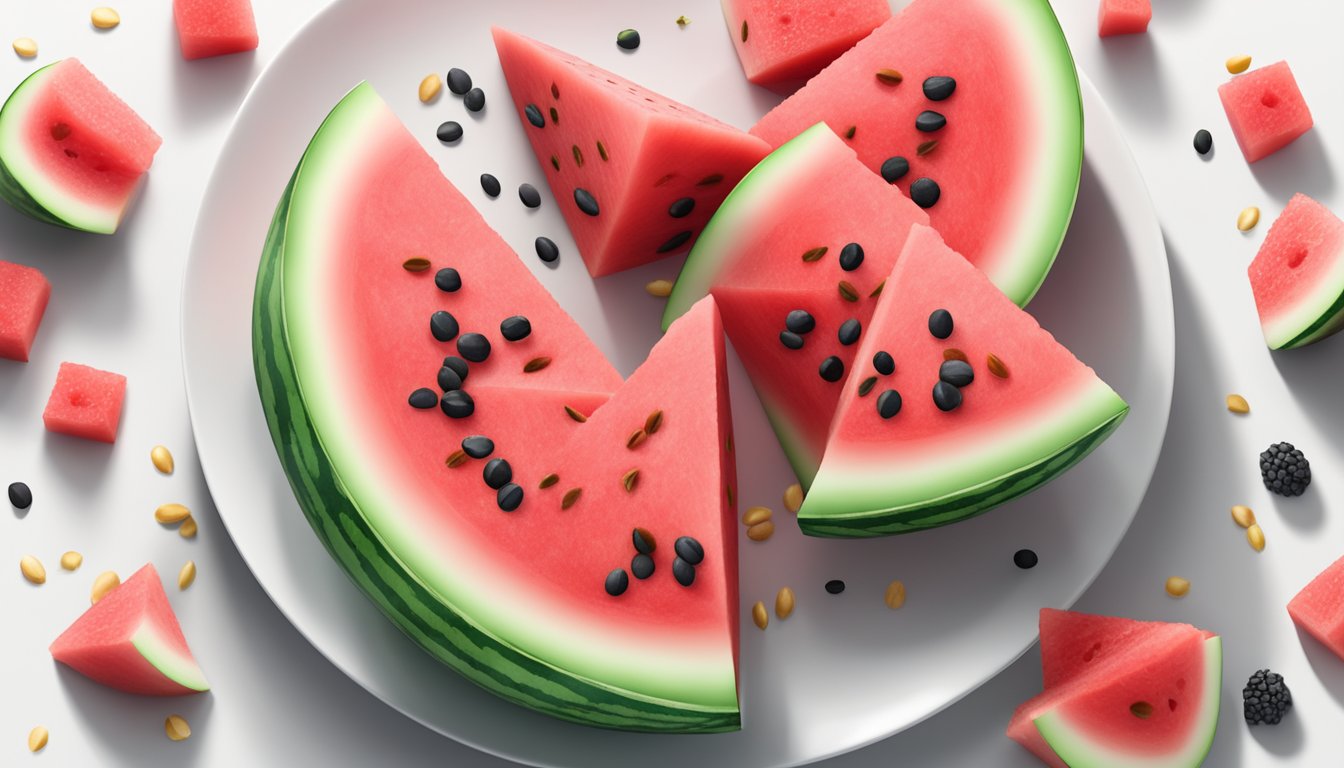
(1265, 698)
(1285, 470)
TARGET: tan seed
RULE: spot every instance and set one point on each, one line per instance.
(1238, 64)
(784, 603)
(761, 531)
(37, 739)
(659, 288)
(1248, 218)
(755, 515)
(25, 47)
(415, 264)
(188, 528)
(759, 615)
(682, 21)
(878, 290)
(548, 481)
(654, 422)
(630, 480)
(429, 88)
(952, 353)
(536, 364)
(889, 77)
(1177, 586)
(1243, 515)
(925, 147)
(636, 437)
(162, 459)
(104, 583)
(32, 569)
(895, 596)
(168, 514)
(814, 254)
(187, 575)
(1237, 404)
(176, 727)
(570, 498)
(793, 498)
(847, 291)
(1255, 536)
(996, 366)
(456, 459)
(575, 415)
(71, 560)
(104, 18)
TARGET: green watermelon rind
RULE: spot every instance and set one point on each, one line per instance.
(1078, 751)
(335, 516)
(1328, 322)
(173, 665)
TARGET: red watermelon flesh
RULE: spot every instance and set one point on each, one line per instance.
(24, 293)
(1265, 109)
(1298, 275)
(1319, 608)
(1123, 17)
(214, 27)
(782, 43)
(1074, 643)
(130, 640)
(656, 169)
(85, 402)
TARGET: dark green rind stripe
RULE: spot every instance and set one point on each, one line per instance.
(448, 636)
(959, 507)
(1314, 332)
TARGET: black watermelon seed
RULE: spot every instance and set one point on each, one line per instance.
(422, 398)
(21, 496)
(683, 571)
(641, 566)
(1025, 559)
(478, 446)
(515, 328)
(459, 82)
(643, 544)
(675, 242)
(443, 326)
(497, 473)
(884, 364)
(617, 582)
(888, 403)
(449, 131)
(946, 396)
(939, 87)
(681, 208)
(447, 280)
(835, 586)
(585, 200)
(509, 497)
(474, 347)
(790, 339)
(958, 373)
(628, 39)
(1203, 141)
(547, 250)
(851, 256)
(534, 115)
(800, 321)
(555, 116)
(448, 380)
(893, 168)
(490, 185)
(458, 366)
(925, 192)
(940, 323)
(688, 549)
(555, 162)
(474, 100)
(832, 369)
(849, 331)
(529, 195)
(457, 404)
(929, 121)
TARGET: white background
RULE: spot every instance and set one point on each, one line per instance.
(115, 305)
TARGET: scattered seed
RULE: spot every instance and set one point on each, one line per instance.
(20, 495)
(37, 739)
(536, 364)
(952, 353)
(1203, 141)
(570, 498)
(162, 459)
(456, 459)
(1248, 218)
(459, 82)
(996, 366)
(529, 195)
(849, 133)
(759, 615)
(555, 116)
(497, 473)
(847, 291)
(1025, 559)
(630, 479)
(929, 121)
(878, 290)
(443, 326)
(925, 192)
(654, 422)
(939, 87)
(835, 586)
(710, 180)
(71, 560)
(688, 549)
(105, 18)
(755, 515)
(784, 601)
(423, 398)
(25, 47)
(548, 481)
(849, 332)
(925, 147)
(429, 88)
(1177, 586)
(884, 363)
(894, 168)
(1238, 64)
(889, 77)
(867, 385)
(478, 446)
(683, 572)
(585, 201)
(958, 373)
(1243, 515)
(644, 542)
(32, 569)
(940, 323)
(187, 575)
(744, 30)
(642, 566)
(578, 155)
(658, 288)
(187, 529)
(490, 185)
(1238, 404)
(457, 404)
(682, 21)
(474, 100)
(627, 39)
(851, 257)
(177, 728)
(895, 595)
(636, 437)
(761, 531)
(832, 369)
(473, 347)
(509, 497)
(814, 254)
(888, 403)
(105, 582)
(602, 151)
(575, 415)
(168, 514)
(534, 116)
(449, 131)
(1255, 536)
(555, 91)
(793, 498)
(547, 250)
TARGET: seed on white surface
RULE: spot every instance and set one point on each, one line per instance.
(430, 87)
(1243, 515)
(106, 582)
(32, 569)
(71, 560)
(759, 616)
(659, 288)
(1237, 404)
(169, 514)
(104, 17)
(895, 596)
(188, 528)
(755, 515)
(761, 531)
(1255, 536)
(187, 575)
(37, 739)
(793, 498)
(25, 47)
(1177, 586)
(1248, 218)
(784, 603)
(1238, 64)
(176, 727)
(162, 458)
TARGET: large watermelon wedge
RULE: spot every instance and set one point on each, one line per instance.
(1298, 276)
(513, 600)
(1006, 164)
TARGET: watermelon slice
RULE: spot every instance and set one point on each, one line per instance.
(85, 402)
(1124, 17)
(513, 600)
(1002, 179)
(636, 174)
(782, 43)
(214, 27)
(1265, 109)
(71, 152)
(24, 293)
(130, 640)
(1031, 412)
(1319, 608)
(1298, 276)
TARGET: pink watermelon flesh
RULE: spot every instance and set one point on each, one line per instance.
(782, 43)
(85, 402)
(1074, 643)
(1319, 608)
(656, 169)
(1298, 275)
(24, 293)
(130, 640)
(1124, 17)
(1266, 110)
(214, 27)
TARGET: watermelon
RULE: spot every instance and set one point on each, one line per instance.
(1298, 275)
(1030, 410)
(1265, 109)
(130, 640)
(1124, 17)
(1000, 190)
(1319, 608)
(751, 257)
(214, 27)
(71, 152)
(782, 43)
(515, 601)
(24, 293)
(636, 174)
(85, 402)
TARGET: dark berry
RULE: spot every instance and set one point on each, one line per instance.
(1285, 470)
(1265, 699)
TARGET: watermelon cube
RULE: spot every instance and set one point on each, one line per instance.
(214, 27)
(1266, 110)
(23, 299)
(85, 402)
(1319, 608)
(1124, 17)
(782, 43)
(1298, 276)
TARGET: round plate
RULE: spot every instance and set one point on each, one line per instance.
(843, 671)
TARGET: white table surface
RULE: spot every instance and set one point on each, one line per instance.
(276, 701)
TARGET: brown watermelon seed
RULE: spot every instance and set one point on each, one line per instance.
(878, 290)
(456, 459)
(996, 366)
(849, 134)
(784, 601)
(728, 443)
(555, 91)
(555, 162)
(710, 180)
(548, 481)
(1141, 709)
(895, 596)
(555, 116)
(759, 616)
(415, 264)
(570, 498)
(536, 364)
(889, 76)
(867, 385)
(602, 151)
(732, 497)
(744, 30)
(630, 479)
(578, 156)
(925, 147)
(793, 498)
(847, 291)
(575, 415)
(814, 254)
(761, 531)
(952, 353)
(654, 422)
(636, 437)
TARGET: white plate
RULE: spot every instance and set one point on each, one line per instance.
(843, 671)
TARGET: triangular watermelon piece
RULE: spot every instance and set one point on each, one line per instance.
(635, 173)
(1319, 608)
(1074, 643)
(130, 640)
(1031, 412)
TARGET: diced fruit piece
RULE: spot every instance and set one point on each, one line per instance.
(1319, 608)
(130, 640)
(1124, 17)
(24, 292)
(1266, 110)
(214, 27)
(1028, 411)
(782, 43)
(85, 402)
(1003, 175)
(761, 256)
(71, 152)
(1298, 275)
(635, 174)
